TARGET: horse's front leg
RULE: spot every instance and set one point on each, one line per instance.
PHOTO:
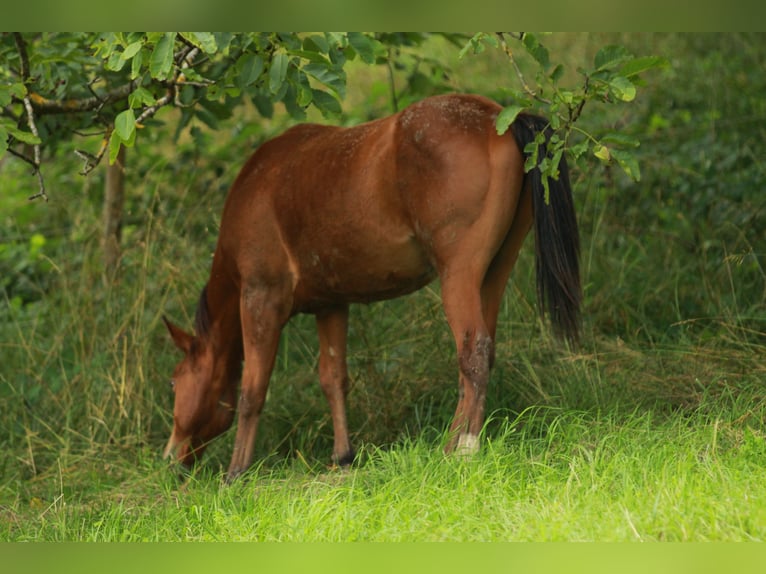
(264, 311)
(332, 327)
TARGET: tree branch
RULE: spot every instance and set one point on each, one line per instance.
(46, 106)
(171, 96)
(91, 161)
(519, 73)
(36, 103)
(154, 108)
(21, 46)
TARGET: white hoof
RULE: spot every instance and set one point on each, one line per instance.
(467, 445)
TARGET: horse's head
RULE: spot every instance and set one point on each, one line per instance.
(204, 396)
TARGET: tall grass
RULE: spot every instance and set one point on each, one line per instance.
(652, 430)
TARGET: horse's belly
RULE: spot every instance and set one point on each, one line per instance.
(363, 271)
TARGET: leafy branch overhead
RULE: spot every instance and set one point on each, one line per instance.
(613, 78)
(112, 85)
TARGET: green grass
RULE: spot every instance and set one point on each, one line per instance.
(546, 475)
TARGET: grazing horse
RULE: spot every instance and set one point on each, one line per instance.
(321, 217)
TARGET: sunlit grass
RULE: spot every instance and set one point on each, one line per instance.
(543, 476)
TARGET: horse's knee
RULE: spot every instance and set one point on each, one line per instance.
(251, 402)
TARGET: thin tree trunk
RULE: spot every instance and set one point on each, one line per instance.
(114, 198)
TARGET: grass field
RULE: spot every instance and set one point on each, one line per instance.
(653, 430)
(543, 476)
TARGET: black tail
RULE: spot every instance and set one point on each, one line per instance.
(557, 241)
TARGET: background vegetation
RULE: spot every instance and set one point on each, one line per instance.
(653, 430)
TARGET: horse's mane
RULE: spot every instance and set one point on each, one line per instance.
(202, 318)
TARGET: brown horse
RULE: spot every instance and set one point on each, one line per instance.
(321, 217)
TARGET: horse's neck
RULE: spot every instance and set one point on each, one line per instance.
(225, 327)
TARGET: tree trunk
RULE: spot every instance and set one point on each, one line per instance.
(114, 198)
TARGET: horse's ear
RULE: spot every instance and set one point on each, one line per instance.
(181, 338)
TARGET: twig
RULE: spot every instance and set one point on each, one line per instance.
(151, 110)
(519, 74)
(91, 161)
(575, 114)
(21, 156)
(22, 48)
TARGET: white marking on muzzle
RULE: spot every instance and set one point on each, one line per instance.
(172, 445)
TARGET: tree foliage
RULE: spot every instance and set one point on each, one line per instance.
(112, 84)
(613, 77)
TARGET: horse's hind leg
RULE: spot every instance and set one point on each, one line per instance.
(332, 326)
(264, 311)
(500, 269)
(475, 348)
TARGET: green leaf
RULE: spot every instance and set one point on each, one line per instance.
(555, 161)
(135, 65)
(141, 97)
(22, 136)
(362, 45)
(18, 90)
(546, 188)
(204, 40)
(578, 149)
(610, 56)
(290, 100)
(474, 45)
(331, 78)
(316, 43)
(115, 62)
(278, 71)
(620, 139)
(125, 124)
(557, 73)
(536, 49)
(622, 88)
(114, 147)
(639, 65)
(601, 152)
(161, 62)
(335, 38)
(566, 96)
(249, 68)
(223, 41)
(628, 163)
(131, 50)
(206, 117)
(506, 117)
(263, 104)
(326, 103)
(9, 91)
